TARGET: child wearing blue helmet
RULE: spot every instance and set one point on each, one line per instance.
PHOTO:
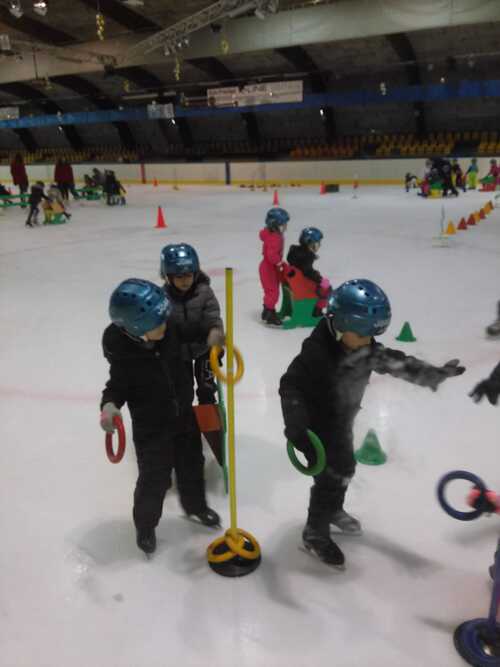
(322, 391)
(193, 301)
(147, 372)
(272, 262)
(303, 256)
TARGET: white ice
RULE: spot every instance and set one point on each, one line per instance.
(75, 591)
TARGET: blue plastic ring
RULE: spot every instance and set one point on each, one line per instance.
(450, 477)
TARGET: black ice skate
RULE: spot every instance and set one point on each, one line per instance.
(346, 523)
(264, 314)
(207, 517)
(146, 540)
(273, 319)
(323, 547)
(494, 329)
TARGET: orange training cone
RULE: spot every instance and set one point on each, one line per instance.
(476, 215)
(482, 214)
(490, 206)
(471, 221)
(450, 229)
(462, 225)
(276, 201)
(322, 188)
(160, 220)
(155, 183)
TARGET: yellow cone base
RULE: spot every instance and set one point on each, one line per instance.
(234, 555)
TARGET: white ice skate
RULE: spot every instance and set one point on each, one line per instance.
(346, 523)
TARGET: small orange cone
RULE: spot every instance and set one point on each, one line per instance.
(155, 183)
(276, 201)
(322, 188)
(482, 214)
(471, 221)
(490, 206)
(476, 215)
(450, 229)
(462, 225)
(160, 220)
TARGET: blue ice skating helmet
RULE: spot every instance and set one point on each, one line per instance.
(310, 235)
(275, 218)
(139, 306)
(178, 259)
(360, 306)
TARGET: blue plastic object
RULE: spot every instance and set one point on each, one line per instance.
(360, 306)
(139, 306)
(177, 259)
(450, 477)
(275, 218)
(310, 235)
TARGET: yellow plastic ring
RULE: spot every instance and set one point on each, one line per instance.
(214, 364)
(236, 548)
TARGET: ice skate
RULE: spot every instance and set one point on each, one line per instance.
(322, 546)
(207, 517)
(264, 314)
(146, 540)
(494, 329)
(346, 523)
(272, 319)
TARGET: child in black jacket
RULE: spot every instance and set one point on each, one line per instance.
(303, 256)
(36, 196)
(147, 372)
(322, 391)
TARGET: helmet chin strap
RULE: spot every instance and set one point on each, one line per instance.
(336, 334)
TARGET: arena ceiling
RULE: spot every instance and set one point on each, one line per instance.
(397, 41)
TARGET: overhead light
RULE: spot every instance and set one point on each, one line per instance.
(321, 112)
(186, 41)
(173, 121)
(15, 8)
(133, 3)
(40, 7)
(443, 79)
(60, 128)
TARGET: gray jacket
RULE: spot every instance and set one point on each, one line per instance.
(199, 305)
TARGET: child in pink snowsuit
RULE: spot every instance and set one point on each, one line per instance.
(269, 268)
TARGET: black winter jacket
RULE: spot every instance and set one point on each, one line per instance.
(150, 377)
(36, 196)
(325, 383)
(197, 306)
(303, 258)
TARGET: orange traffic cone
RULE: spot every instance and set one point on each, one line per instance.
(450, 229)
(471, 220)
(276, 201)
(322, 188)
(160, 220)
(490, 206)
(462, 225)
(155, 183)
(477, 216)
(482, 214)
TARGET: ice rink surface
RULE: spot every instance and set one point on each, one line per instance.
(75, 591)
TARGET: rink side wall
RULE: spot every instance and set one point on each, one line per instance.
(344, 172)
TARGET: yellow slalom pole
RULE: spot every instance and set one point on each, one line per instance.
(236, 553)
(230, 402)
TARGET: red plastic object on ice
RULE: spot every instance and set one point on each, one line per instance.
(116, 458)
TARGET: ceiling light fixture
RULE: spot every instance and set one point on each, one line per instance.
(15, 8)
(40, 7)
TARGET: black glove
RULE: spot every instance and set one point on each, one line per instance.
(489, 388)
(484, 503)
(436, 375)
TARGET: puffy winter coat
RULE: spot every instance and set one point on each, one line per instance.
(19, 175)
(272, 248)
(326, 382)
(198, 305)
(302, 258)
(150, 377)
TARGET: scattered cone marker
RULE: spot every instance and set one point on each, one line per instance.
(406, 334)
(322, 188)
(482, 214)
(276, 201)
(160, 220)
(370, 453)
(471, 221)
(450, 229)
(462, 225)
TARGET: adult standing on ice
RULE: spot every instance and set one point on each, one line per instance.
(322, 391)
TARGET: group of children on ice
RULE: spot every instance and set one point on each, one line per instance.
(158, 346)
(441, 173)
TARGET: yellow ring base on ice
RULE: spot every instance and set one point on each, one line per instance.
(235, 547)
(214, 364)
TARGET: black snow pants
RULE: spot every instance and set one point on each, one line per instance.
(177, 447)
(206, 386)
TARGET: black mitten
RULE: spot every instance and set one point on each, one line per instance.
(489, 388)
